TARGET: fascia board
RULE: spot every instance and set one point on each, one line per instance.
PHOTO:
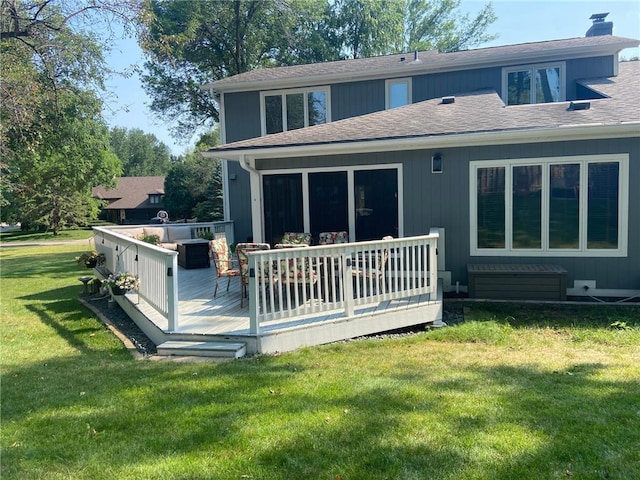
(412, 69)
(537, 135)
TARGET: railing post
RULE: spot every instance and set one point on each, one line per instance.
(254, 325)
(172, 293)
(347, 282)
(433, 266)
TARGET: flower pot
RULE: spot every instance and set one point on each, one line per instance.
(118, 290)
(91, 263)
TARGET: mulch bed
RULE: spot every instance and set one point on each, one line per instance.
(121, 322)
(115, 316)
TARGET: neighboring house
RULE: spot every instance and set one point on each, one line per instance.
(134, 200)
(523, 154)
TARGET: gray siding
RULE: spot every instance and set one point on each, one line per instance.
(357, 98)
(239, 201)
(442, 200)
(242, 116)
(587, 68)
(242, 110)
(425, 87)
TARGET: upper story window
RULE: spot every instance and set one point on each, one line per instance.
(533, 84)
(398, 92)
(155, 199)
(291, 109)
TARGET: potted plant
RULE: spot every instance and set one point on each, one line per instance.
(122, 282)
(205, 235)
(91, 259)
(152, 239)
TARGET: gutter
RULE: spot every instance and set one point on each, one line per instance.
(538, 135)
(244, 164)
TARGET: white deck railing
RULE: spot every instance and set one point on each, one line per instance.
(332, 280)
(336, 279)
(156, 267)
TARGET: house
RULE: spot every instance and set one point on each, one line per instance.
(522, 154)
(134, 200)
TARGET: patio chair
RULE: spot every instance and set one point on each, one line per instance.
(296, 238)
(330, 238)
(370, 270)
(226, 266)
(295, 272)
(263, 272)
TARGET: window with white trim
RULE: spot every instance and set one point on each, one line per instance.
(567, 206)
(291, 109)
(526, 84)
(398, 92)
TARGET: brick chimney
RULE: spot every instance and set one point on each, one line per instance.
(599, 27)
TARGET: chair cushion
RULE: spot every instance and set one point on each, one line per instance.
(178, 233)
(241, 251)
(329, 238)
(296, 238)
(134, 232)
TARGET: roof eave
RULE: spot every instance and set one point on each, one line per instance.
(519, 58)
(503, 137)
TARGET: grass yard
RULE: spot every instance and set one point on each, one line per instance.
(33, 236)
(510, 393)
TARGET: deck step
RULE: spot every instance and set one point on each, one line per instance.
(202, 349)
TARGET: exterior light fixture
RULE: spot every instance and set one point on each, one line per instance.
(436, 163)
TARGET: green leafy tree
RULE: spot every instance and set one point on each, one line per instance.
(54, 176)
(141, 154)
(440, 25)
(53, 140)
(191, 43)
(193, 186)
(369, 27)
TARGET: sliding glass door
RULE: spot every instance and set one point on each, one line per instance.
(282, 206)
(371, 194)
(376, 203)
(328, 202)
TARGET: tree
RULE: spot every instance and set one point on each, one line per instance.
(53, 140)
(190, 44)
(439, 25)
(193, 186)
(55, 175)
(141, 154)
(369, 27)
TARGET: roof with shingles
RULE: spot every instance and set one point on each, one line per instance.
(130, 192)
(429, 61)
(474, 112)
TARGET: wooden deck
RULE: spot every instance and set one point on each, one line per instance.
(204, 318)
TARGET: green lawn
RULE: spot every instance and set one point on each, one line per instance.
(30, 236)
(511, 393)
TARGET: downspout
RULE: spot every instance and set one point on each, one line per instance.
(256, 203)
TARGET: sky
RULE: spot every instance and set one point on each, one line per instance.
(519, 21)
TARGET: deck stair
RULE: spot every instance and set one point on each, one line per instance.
(202, 349)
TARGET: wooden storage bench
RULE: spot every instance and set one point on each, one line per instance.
(517, 281)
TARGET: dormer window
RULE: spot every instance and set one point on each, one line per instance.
(292, 109)
(398, 92)
(529, 84)
(155, 199)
